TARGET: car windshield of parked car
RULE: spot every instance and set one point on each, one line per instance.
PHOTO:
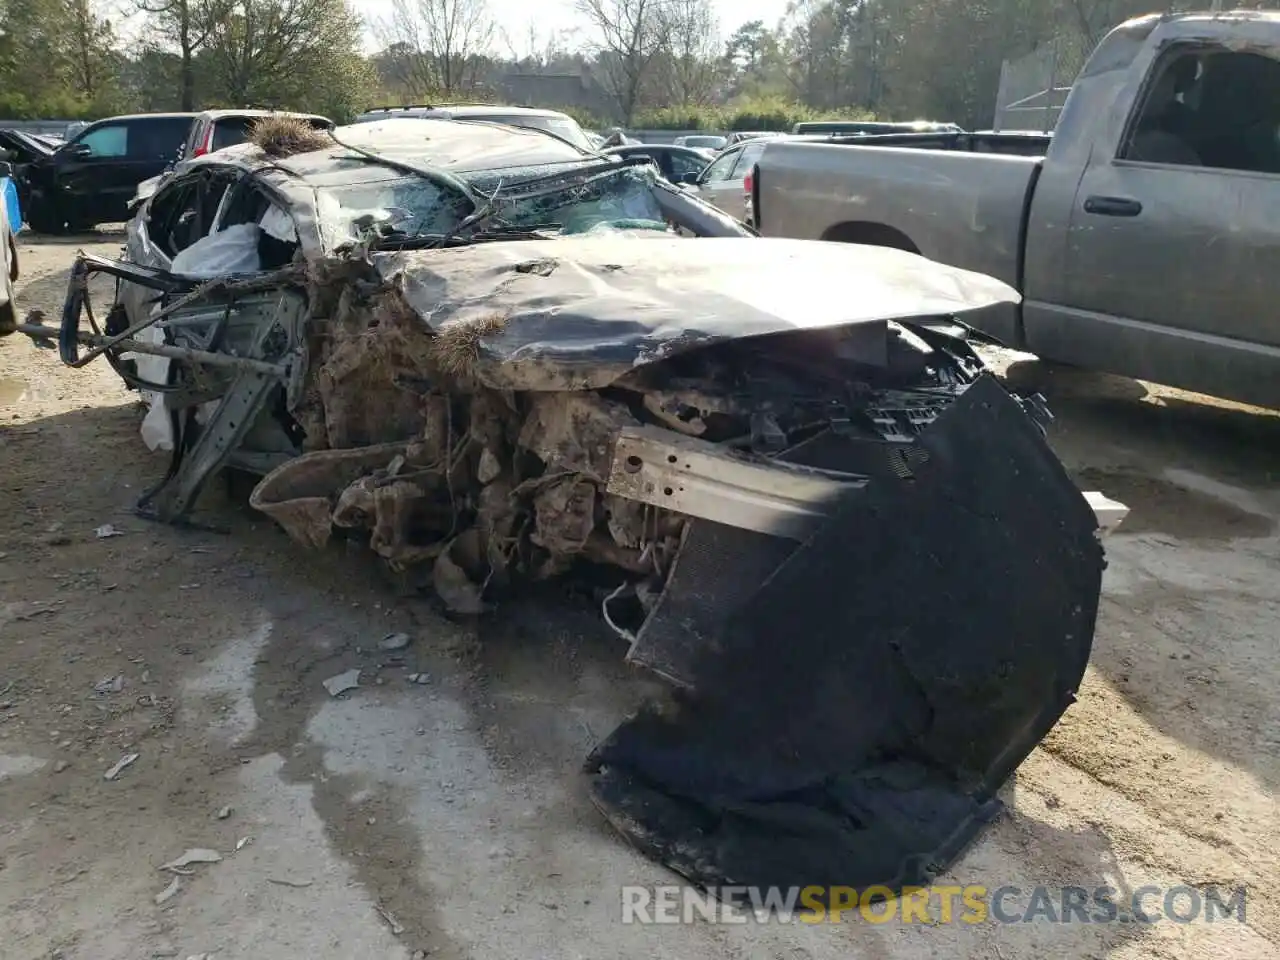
(707, 143)
(544, 197)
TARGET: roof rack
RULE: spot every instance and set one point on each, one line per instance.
(449, 103)
(402, 106)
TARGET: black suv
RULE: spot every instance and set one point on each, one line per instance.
(91, 178)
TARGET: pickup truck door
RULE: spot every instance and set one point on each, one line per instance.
(1171, 250)
(92, 172)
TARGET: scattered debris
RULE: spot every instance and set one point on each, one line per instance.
(110, 685)
(394, 641)
(419, 678)
(169, 892)
(342, 683)
(223, 813)
(280, 881)
(194, 855)
(242, 843)
(60, 766)
(125, 761)
(38, 611)
(107, 531)
(396, 927)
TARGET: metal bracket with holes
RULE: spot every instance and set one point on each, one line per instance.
(701, 479)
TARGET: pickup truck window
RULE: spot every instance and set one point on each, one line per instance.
(110, 141)
(1209, 107)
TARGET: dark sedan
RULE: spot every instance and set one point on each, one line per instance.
(677, 164)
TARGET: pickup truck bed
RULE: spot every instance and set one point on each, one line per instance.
(1144, 240)
(924, 199)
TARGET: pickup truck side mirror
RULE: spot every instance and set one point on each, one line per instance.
(6, 169)
(80, 150)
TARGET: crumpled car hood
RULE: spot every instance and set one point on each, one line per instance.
(579, 312)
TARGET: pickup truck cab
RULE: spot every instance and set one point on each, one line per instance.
(91, 178)
(1143, 241)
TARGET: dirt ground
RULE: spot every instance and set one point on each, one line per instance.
(449, 817)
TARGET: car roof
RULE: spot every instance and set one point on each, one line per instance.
(468, 110)
(441, 144)
(146, 116)
(222, 113)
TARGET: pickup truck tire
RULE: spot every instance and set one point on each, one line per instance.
(871, 234)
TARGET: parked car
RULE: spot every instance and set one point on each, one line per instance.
(92, 177)
(678, 164)
(741, 136)
(724, 182)
(214, 129)
(550, 121)
(702, 142)
(1142, 237)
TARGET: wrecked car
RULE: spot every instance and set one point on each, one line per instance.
(868, 582)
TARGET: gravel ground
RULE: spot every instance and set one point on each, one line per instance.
(449, 817)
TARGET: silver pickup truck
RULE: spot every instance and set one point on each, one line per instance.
(1143, 241)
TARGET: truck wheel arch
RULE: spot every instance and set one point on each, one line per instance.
(872, 234)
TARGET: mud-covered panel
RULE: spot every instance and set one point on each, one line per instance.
(860, 711)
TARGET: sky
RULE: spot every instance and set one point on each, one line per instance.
(552, 16)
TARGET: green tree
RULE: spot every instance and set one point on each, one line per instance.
(286, 53)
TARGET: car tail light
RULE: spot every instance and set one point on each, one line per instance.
(205, 144)
(746, 182)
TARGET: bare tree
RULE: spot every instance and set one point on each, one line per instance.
(693, 65)
(184, 25)
(629, 35)
(442, 42)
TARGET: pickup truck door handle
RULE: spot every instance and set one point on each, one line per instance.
(1112, 206)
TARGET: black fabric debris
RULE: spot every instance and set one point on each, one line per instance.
(861, 710)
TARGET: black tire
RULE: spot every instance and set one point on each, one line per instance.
(44, 220)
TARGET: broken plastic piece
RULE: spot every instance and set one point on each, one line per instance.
(342, 682)
(119, 766)
(194, 855)
(169, 892)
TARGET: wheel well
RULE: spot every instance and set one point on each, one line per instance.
(872, 234)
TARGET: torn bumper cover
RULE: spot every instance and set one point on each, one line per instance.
(856, 708)
(850, 551)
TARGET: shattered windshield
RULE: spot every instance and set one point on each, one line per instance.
(541, 197)
(577, 201)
